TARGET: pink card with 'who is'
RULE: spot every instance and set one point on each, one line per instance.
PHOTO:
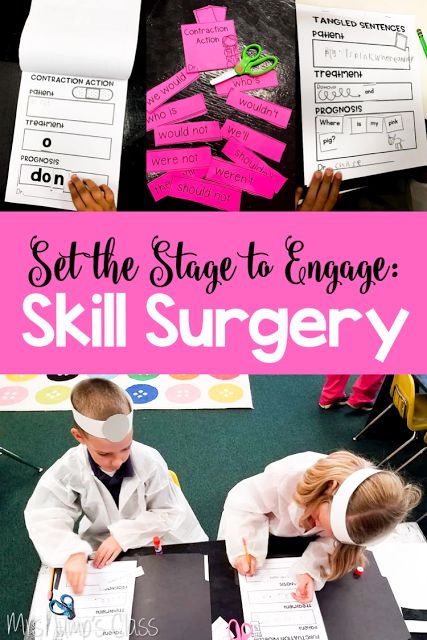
(177, 111)
(210, 47)
(255, 140)
(212, 195)
(178, 159)
(237, 177)
(263, 109)
(166, 90)
(200, 131)
(244, 157)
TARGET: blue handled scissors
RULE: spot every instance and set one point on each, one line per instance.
(250, 64)
(243, 632)
(63, 607)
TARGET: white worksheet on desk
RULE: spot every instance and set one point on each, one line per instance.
(361, 101)
(76, 57)
(103, 610)
(270, 608)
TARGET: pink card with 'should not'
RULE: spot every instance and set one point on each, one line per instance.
(244, 157)
(208, 193)
(255, 140)
(160, 187)
(263, 109)
(165, 90)
(210, 46)
(184, 132)
(177, 111)
(237, 177)
(178, 159)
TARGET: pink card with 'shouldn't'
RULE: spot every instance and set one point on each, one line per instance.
(244, 157)
(211, 46)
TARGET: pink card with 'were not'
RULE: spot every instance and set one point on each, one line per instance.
(210, 13)
(255, 140)
(200, 131)
(209, 47)
(160, 186)
(164, 91)
(240, 178)
(263, 109)
(177, 111)
(178, 159)
(248, 83)
(207, 193)
(244, 157)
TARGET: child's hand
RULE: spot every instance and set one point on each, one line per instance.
(87, 196)
(75, 570)
(243, 567)
(305, 588)
(107, 553)
(322, 193)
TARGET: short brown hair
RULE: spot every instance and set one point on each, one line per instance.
(99, 399)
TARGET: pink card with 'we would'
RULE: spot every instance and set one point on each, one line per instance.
(210, 47)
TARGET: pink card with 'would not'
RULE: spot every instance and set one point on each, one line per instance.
(178, 159)
(244, 157)
(209, 47)
(263, 109)
(237, 177)
(248, 83)
(160, 186)
(207, 193)
(162, 92)
(200, 131)
(255, 140)
(177, 111)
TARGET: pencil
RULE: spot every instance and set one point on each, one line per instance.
(423, 42)
(245, 548)
(50, 592)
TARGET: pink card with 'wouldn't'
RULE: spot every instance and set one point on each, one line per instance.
(255, 140)
(207, 193)
(248, 83)
(177, 111)
(263, 109)
(178, 159)
(200, 131)
(244, 157)
(166, 90)
(240, 178)
(211, 46)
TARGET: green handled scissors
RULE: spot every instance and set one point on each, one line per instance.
(250, 64)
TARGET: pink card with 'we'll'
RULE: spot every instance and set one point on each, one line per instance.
(244, 157)
(263, 109)
(160, 186)
(200, 131)
(255, 140)
(211, 46)
(240, 178)
(248, 83)
(162, 92)
(207, 193)
(178, 159)
(177, 111)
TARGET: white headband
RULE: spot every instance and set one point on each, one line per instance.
(340, 503)
(115, 428)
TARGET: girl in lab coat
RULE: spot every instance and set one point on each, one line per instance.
(341, 498)
(122, 489)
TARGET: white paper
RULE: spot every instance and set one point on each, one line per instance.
(362, 110)
(405, 567)
(76, 57)
(416, 626)
(103, 609)
(220, 630)
(270, 608)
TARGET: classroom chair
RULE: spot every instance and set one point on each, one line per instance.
(412, 408)
(14, 456)
(402, 466)
(174, 478)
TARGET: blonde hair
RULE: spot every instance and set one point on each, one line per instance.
(99, 399)
(380, 503)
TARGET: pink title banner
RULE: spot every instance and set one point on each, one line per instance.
(201, 292)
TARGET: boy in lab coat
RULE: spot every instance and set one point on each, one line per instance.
(122, 489)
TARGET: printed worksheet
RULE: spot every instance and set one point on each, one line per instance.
(72, 99)
(103, 610)
(270, 608)
(362, 111)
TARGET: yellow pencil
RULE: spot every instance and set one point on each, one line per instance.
(245, 548)
(50, 592)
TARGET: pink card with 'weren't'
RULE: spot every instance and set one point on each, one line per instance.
(246, 158)
(211, 46)
(263, 109)
(237, 177)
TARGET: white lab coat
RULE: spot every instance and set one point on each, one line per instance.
(264, 504)
(150, 504)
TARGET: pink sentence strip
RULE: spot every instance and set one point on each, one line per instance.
(237, 177)
(207, 193)
(207, 46)
(248, 83)
(162, 92)
(200, 131)
(259, 142)
(160, 186)
(210, 13)
(177, 111)
(263, 109)
(246, 158)
(178, 159)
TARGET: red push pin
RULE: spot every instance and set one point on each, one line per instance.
(358, 572)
